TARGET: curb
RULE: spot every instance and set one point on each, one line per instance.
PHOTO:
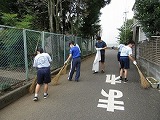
(13, 95)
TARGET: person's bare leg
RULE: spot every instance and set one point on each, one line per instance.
(125, 73)
(45, 88)
(36, 92)
(121, 73)
(37, 89)
(103, 66)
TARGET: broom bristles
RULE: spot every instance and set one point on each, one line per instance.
(64, 71)
(144, 83)
(54, 81)
(33, 85)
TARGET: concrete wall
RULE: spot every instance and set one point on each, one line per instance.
(150, 69)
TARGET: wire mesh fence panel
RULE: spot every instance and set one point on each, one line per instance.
(67, 39)
(33, 41)
(89, 46)
(85, 47)
(11, 56)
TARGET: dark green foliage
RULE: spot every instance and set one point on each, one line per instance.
(83, 15)
(11, 48)
(148, 14)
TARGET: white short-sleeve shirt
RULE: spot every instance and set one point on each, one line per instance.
(42, 60)
(120, 46)
(126, 51)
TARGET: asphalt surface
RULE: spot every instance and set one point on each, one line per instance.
(92, 98)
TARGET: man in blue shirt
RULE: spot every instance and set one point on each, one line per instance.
(75, 54)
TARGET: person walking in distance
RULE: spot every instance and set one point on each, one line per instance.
(42, 63)
(75, 54)
(125, 56)
(101, 45)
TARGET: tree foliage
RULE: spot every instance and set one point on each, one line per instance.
(148, 14)
(125, 32)
(80, 17)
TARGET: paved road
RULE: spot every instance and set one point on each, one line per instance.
(80, 100)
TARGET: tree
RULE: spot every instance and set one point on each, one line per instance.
(90, 24)
(79, 17)
(148, 14)
(125, 33)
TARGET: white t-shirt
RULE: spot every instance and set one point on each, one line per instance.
(126, 51)
(120, 46)
(42, 60)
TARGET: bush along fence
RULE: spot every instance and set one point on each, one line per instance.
(17, 51)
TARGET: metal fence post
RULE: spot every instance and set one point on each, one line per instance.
(25, 54)
(64, 45)
(42, 38)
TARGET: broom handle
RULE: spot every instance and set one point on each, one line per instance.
(138, 68)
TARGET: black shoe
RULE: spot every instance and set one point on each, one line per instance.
(125, 81)
(102, 71)
(77, 80)
(35, 99)
(95, 72)
(69, 79)
(121, 79)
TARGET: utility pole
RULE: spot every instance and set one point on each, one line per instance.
(125, 22)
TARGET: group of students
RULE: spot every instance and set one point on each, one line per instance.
(124, 56)
(42, 63)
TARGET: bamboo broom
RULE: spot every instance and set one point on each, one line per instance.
(64, 71)
(54, 81)
(144, 83)
(33, 85)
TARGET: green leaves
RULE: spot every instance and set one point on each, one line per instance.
(9, 19)
(148, 14)
(125, 32)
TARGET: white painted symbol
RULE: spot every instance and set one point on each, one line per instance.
(112, 79)
(110, 104)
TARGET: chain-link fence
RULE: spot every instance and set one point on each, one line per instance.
(18, 47)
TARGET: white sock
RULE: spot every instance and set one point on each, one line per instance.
(36, 95)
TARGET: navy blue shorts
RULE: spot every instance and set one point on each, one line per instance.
(124, 61)
(102, 58)
(43, 75)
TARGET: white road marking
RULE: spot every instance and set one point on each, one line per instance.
(112, 79)
(110, 103)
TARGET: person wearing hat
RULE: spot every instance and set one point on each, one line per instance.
(101, 45)
(42, 63)
(75, 55)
